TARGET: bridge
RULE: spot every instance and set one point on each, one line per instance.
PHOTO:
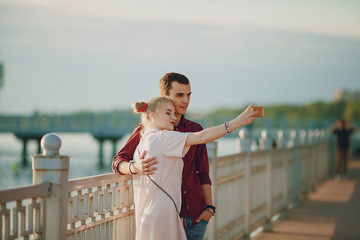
(103, 127)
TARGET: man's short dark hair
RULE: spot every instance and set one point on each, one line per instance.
(167, 80)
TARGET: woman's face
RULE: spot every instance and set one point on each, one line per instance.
(164, 118)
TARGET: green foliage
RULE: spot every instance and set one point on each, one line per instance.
(352, 111)
(313, 114)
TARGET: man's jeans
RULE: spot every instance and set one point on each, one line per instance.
(196, 232)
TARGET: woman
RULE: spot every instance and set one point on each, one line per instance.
(158, 197)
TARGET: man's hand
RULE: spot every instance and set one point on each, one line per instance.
(145, 166)
(205, 215)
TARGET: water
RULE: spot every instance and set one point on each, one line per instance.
(82, 149)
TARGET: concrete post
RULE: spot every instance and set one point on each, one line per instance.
(212, 154)
(244, 143)
(53, 168)
(244, 146)
(311, 162)
(294, 134)
(303, 138)
(265, 142)
(281, 144)
(281, 140)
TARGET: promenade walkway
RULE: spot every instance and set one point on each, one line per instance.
(330, 213)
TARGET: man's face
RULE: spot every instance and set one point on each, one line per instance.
(341, 124)
(180, 94)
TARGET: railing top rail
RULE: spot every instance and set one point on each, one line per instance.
(99, 180)
(39, 190)
(231, 156)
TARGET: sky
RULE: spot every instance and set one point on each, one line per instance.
(87, 55)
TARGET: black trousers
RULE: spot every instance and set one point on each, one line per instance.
(342, 159)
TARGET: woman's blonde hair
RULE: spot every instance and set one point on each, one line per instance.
(145, 108)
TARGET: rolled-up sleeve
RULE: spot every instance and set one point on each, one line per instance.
(127, 152)
(202, 164)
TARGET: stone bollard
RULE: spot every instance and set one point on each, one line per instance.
(294, 139)
(310, 137)
(281, 140)
(244, 143)
(265, 142)
(303, 138)
(53, 168)
(317, 137)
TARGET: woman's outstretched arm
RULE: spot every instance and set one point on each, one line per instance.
(210, 134)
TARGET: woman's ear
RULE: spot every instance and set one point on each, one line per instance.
(151, 116)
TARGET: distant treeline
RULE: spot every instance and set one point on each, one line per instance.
(313, 115)
(317, 114)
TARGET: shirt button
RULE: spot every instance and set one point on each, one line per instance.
(184, 192)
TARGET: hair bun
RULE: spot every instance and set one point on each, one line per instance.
(139, 106)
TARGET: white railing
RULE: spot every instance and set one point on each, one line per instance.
(249, 188)
(22, 212)
(101, 207)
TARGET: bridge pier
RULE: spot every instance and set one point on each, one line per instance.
(25, 138)
(24, 153)
(101, 153)
(101, 140)
(114, 142)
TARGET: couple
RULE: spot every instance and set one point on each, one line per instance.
(170, 168)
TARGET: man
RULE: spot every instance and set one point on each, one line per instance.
(197, 208)
(342, 132)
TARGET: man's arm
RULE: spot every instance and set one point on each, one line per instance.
(202, 166)
(351, 127)
(332, 128)
(121, 161)
(206, 215)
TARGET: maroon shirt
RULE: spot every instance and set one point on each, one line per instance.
(195, 171)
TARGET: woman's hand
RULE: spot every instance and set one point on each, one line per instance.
(144, 166)
(245, 118)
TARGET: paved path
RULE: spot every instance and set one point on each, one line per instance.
(331, 213)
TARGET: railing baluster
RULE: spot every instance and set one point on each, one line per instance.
(22, 218)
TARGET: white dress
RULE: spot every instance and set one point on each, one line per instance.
(155, 213)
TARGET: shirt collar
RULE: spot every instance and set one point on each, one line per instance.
(182, 123)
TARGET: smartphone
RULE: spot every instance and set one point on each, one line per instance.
(260, 111)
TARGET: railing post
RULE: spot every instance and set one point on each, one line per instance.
(244, 146)
(316, 159)
(311, 161)
(265, 142)
(265, 145)
(212, 154)
(53, 168)
(281, 140)
(297, 168)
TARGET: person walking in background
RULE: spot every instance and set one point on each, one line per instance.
(343, 131)
(158, 197)
(196, 206)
